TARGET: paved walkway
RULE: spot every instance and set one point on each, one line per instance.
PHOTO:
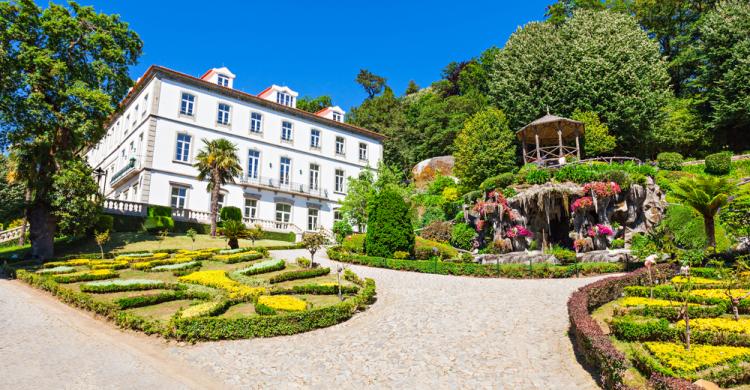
(424, 331)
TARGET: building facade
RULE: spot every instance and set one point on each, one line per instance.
(295, 163)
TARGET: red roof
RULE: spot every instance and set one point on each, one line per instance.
(263, 92)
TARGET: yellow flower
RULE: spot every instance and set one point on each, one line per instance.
(694, 280)
(698, 357)
(639, 301)
(718, 293)
(741, 326)
(219, 279)
(283, 302)
(198, 310)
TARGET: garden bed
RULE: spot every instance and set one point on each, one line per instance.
(209, 300)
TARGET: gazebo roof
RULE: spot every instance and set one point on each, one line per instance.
(547, 127)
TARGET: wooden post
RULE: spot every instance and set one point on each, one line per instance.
(559, 141)
(578, 146)
(523, 145)
(538, 152)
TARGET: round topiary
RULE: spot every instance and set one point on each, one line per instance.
(389, 227)
(669, 161)
(230, 213)
(719, 163)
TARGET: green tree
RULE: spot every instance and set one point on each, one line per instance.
(313, 242)
(11, 192)
(411, 88)
(682, 130)
(706, 195)
(233, 230)
(599, 61)
(358, 193)
(372, 83)
(76, 202)
(313, 105)
(484, 148)
(341, 230)
(218, 163)
(64, 70)
(389, 227)
(597, 141)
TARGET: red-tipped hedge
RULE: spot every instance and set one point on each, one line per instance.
(594, 346)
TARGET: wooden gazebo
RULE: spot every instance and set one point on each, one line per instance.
(554, 139)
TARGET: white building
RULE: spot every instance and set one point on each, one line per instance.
(295, 163)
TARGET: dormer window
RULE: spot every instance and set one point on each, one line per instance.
(337, 116)
(222, 80)
(284, 98)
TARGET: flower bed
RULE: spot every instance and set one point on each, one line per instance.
(219, 279)
(174, 267)
(301, 274)
(238, 257)
(282, 302)
(84, 276)
(263, 267)
(60, 269)
(117, 285)
(686, 363)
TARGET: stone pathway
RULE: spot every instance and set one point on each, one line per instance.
(424, 331)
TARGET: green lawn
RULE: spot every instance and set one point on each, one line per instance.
(139, 241)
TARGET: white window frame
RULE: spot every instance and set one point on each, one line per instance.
(342, 151)
(251, 210)
(222, 80)
(313, 219)
(315, 138)
(337, 116)
(285, 130)
(285, 180)
(223, 114)
(187, 156)
(339, 185)
(256, 125)
(250, 172)
(314, 177)
(189, 105)
(284, 98)
(363, 147)
(174, 204)
(279, 214)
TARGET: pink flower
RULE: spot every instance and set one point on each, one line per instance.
(582, 203)
(518, 231)
(600, 230)
(602, 189)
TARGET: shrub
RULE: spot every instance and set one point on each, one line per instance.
(300, 274)
(264, 310)
(303, 262)
(565, 256)
(159, 211)
(238, 257)
(355, 243)
(267, 266)
(719, 163)
(104, 223)
(537, 175)
(316, 289)
(389, 226)
(445, 251)
(622, 178)
(669, 161)
(617, 243)
(98, 274)
(437, 231)
(462, 236)
(218, 279)
(341, 230)
(282, 302)
(471, 197)
(497, 182)
(401, 255)
(230, 213)
(576, 173)
(432, 214)
(118, 285)
(156, 224)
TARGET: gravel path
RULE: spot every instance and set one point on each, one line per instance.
(424, 331)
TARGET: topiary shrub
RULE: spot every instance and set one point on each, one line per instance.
(389, 227)
(230, 213)
(462, 236)
(104, 223)
(437, 231)
(156, 224)
(499, 181)
(355, 243)
(719, 163)
(669, 161)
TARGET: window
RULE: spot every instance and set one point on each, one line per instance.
(337, 116)
(187, 104)
(221, 201)
(135, 192)
(284, 170)
(314, 177)
(145, 105)
(284, 98)
(315, 138)
(340, 145)
(256, 122)
(286, 131)
(362, 151)
(339, 183)
(253, 163)
(182, 152)
(135, 120)
(125, 194)
(222, 80)
(179, 196)
(312, 219)
(223, 114)
(125, 128)
(251, 208)
(283, 214)
(337, 215)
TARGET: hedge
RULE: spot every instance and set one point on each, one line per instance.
(659, 329)
(669, 161)
(475, 269)
(595, 347)
(316, 289)
(719, 163)
(300, 274)
(115, 287)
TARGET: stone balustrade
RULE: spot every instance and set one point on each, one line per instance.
(11, 234)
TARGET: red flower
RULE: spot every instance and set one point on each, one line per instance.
(582, 203)
(602, 189)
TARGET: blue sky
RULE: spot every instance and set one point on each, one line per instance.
(318, 47)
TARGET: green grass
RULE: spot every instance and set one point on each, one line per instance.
(163, 311)
(246, 309)
(139, 241)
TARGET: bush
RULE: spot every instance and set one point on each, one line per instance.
(617, 243)
(497, 182)
(104, 223)
(576, 173)
(471, 197)
(719, 163)
(669, 161)
(230, 213)
(537, 175)
(341, 230)
(159, 211)
(444, 251)
(303, 262)
(156, 224)
(622, 178)
(355, 243)
(437, 231)
(389, 226)
(401, 255)
(462, 236)
(432, 214)
(301, 274)
(565, 256)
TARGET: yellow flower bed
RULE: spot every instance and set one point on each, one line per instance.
(70, 263)
(283, 302)
(198, 310)
(694, 280)
(237, 257)
(718, 293)
(219, 279)
(640, 301)
(155, 256)
(107, 264)
(142, 265)
(741, 326)
(700, 356)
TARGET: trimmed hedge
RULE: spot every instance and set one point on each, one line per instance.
(389, 227)
(230, 213)
(113, 287)
(596, 347)
(669, 161)
(259, 268)
(300, 274)
(719, 163)
(316, 289)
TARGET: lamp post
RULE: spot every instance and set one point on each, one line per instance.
(99, 172)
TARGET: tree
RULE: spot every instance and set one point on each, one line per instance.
(313, 105)
(191, 234)
(599, 61)
(313, 241)
(233, 231)
(411, 88)
(706, 195)
(372, 83)
(218, 163)
(254, 233)
(682, 130)
(389, 227)
(101, 239)
(732, 280)
(64, 70)
(11, 192)
(484, 148)
(76, 202)
(597, 141)
(359, 191)
(341, 230)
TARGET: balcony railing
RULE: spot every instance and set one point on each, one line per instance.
(123, 173)
(276, 184)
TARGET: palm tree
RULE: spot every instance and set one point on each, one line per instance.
(218, 163)
(706, 195)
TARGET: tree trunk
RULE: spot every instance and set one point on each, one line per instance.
(312, 258)
(735, 309)
(42, 231)
(214, 202)
(233, 243)
(710, 227)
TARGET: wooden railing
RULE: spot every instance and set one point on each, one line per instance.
(610, 160)
(11, 234)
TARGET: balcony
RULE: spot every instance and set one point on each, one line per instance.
(124, 173)
(290, 187)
